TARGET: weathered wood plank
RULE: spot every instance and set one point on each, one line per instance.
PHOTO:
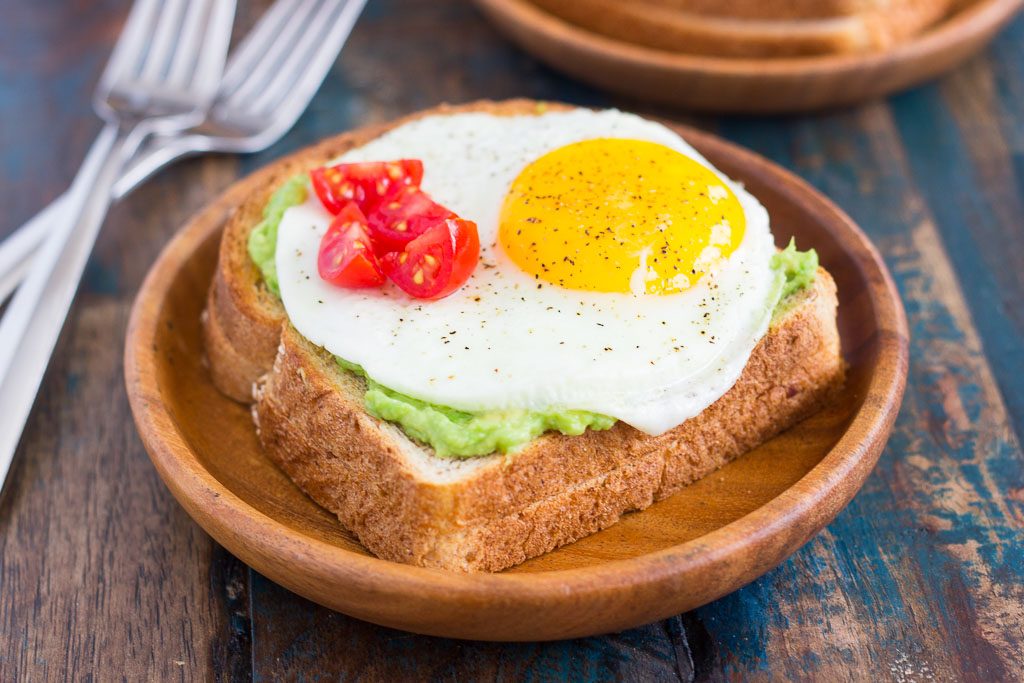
(921, 575)
(102, 575)
(294, 636)
(920, 578)
(92, 546)
(965, 146)
(49, 61)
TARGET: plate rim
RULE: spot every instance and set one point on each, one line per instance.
(270, 546)
(747, 85)
(965, 24)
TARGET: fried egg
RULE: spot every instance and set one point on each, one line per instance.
(620, 272)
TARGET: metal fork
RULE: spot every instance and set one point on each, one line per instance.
(258, 101)
(161, 77)
(254, 66)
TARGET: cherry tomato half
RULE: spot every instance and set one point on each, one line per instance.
(365, 183)
(437, 262)
(346, 255)
(404, 217)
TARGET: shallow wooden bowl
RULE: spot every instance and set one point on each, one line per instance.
(715, 536)
(748, 85)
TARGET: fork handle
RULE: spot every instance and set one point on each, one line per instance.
(16, 268)
(33, 321)
(16, 249)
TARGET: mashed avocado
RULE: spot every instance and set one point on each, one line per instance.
(796, 270)
(263, 238)
(798, 267)
(454, 433)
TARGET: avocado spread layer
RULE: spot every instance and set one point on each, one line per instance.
(263, 238)
(455, 433)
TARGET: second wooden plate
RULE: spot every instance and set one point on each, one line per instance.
(708, 540)
(748, 85)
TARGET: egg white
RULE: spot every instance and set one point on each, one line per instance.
(502, 341)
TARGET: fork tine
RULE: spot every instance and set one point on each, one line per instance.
(284, 75)
(130, 50)
(301, 75)
(213, 47)
(276, 52)
(162, 48)
(254, 45)
(183, 61)
(325, 56)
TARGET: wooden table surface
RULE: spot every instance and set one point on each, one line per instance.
(103, 575)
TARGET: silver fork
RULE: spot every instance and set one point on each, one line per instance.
(258, 101)
(254, 65)
(161, 77)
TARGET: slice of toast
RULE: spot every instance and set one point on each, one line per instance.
(490, 513)
(726, 33)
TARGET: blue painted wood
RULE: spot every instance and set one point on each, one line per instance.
(947, 551)
(292, 634)
(45, 98)
(965, 147)
(920, 578)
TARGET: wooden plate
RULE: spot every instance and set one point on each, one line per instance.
(710, 539)
(748, 85)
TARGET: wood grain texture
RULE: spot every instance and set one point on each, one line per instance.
(91, 546)
(914, 581)
(954, 462)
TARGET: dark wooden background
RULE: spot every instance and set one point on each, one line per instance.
(921, 578)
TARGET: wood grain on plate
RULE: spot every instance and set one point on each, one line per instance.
(748, 85)
(710, 539)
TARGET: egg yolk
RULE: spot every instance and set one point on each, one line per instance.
(617, 215)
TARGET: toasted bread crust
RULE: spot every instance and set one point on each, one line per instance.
(752, 29)
(242, 320)
(558, 489)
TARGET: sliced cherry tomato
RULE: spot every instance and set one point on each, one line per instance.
(366, 183)
(437, 262)
(346, 255)
(404, 217)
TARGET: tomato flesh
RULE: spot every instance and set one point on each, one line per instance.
(346, 255)
(404, 217)
(437, 262)
(385, 226)
(365, 183)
